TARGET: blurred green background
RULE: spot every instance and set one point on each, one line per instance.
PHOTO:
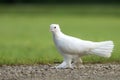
(24, 28)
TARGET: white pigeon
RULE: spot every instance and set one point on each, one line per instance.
(72, 48)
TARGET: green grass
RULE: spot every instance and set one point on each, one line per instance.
(25, 36)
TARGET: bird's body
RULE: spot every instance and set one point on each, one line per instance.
(73, 48)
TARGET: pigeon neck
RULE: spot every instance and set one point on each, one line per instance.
(57, 34)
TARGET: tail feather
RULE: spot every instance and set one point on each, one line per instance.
(103, 49)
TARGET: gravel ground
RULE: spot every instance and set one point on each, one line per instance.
(45, 72)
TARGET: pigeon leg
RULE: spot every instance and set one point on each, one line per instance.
(67, 62)
(77, 61)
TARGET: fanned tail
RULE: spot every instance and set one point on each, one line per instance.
(103, 49)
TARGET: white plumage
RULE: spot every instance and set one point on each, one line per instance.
(72, 48)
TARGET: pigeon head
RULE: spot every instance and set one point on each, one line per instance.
(54, 28)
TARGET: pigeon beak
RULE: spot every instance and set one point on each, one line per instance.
(51, 30)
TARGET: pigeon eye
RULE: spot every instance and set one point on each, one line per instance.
(54, 27)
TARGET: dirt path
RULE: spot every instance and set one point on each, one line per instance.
(44, 72)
